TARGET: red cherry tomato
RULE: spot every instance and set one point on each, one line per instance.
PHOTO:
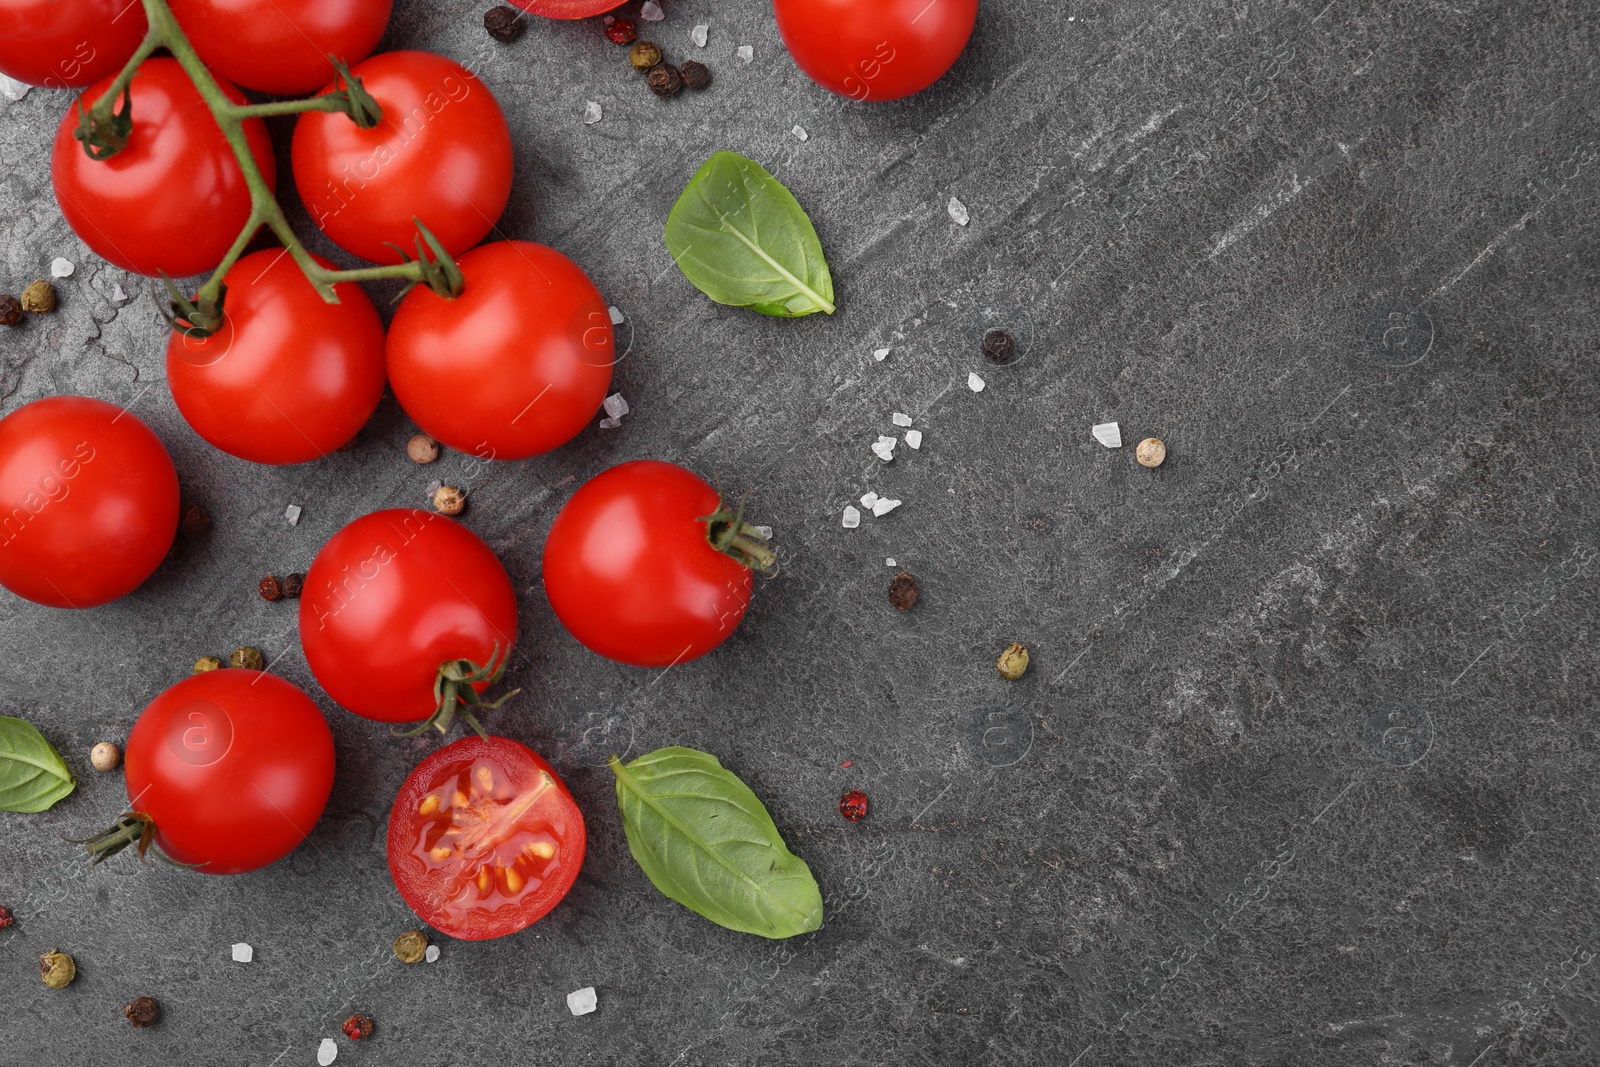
(441, 152)
(233, 767)
(875, 49)
(484, 839)
(88, 502)
(392, 597)
(630, 570)
(567, 9)
(68, 43)
(288, 377)
(174, 199)
(281, 46)
(514, 366)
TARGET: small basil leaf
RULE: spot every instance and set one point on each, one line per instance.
(705, 840)
(742, 239)
(32, 776)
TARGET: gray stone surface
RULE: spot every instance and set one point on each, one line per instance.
(1304, 769)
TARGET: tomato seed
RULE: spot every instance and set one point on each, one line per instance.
(853, 805)
(439, 852)
(430, 804)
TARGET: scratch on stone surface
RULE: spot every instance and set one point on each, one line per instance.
(1488, 250)
(1298, 183)
(1071, 665)
(929, 807)
(1473, 664)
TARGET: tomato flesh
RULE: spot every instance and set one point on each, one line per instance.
(234, 767)
(484, 839)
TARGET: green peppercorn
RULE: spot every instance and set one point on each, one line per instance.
(39, 298)
(411, 946)
(248, 657)
(57, 969)
(643, 55)
(207, 663)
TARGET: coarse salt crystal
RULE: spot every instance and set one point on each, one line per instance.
(651, 11)
(800, 133)
(292, 513)
(868, 499)
(1108, 434)
(765, 531)
(610, 422)
(698, 35)
(617, 318)
(243, 953)
(582, 1001)
(432, 954)
(880, 354)
(117, 295)
(433, 487)
(61, 268)
(914, 438)
(889, 562)
(900, 418)
(958, 212)
(974, 382)
(852, 517)
(745, 53)
(327, 1052)
(13, 89)
(884, 506)
(883, 448)
(615, 405)
(591, 113)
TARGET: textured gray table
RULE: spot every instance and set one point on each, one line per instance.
(1304, 768)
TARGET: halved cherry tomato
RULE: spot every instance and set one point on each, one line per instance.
(567, 9)
(631, 572)
(68, 43)
(88, 502)
(394, 596)
(174, 199)
(875, 49)
(441, 153)
(516, 365)
(288, 377)
(281, 46)
(484, 839)
(234, 768)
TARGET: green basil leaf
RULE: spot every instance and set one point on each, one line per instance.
(707, 842)
(742, 239)
(32, 776)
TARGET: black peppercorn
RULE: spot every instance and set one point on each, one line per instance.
(903, 591)
(999, 347)
(292, 586)
(193, 520)
(504, 23)
(695, 75)
(142, 1012)
(643, 56)
(10, 311)
(664, 80)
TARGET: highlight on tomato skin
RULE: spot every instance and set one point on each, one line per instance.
(875, 49)
(68, 43)
(233, 766)
(567, 9)
(281, 46)
(484, 839)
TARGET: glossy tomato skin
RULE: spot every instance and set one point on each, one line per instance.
(288, 377)
(567, 9)
(875, 49)
(68, 43)
(281, 46)
(174, 199)
(441, 152)
(488, 878)
(88, 502)
(516, 365)
(234, 767)
(629, 571)
(391, 597)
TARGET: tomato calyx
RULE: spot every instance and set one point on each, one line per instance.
(440, 272)
(455, 692)
(363, 110)
(728, 533)
(200, 317)
(133, 828)
(105, 132)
